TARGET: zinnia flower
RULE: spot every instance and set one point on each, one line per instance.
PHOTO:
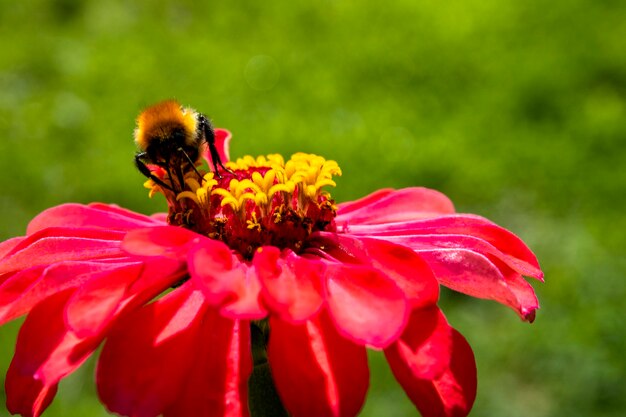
(261, 253)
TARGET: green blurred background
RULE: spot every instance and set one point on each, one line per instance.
(516, 110)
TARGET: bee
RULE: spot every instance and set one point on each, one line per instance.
(171, 136)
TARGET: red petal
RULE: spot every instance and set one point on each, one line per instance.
(365, 305)
(161, 217)
(95, 300)
(24, 290)
(133, 376)
(13, 287)
(402, 265)
(432, 242)
(222, 143)
(140, 218)
(317, 372)
(395, 206)
(174, 357)
(452, 392)
(462, 224)
(425, 345)
(54, 245)
(169, 241)
(225, 280)
(469, 254)
(352, 206)
(226, 360)
(291, 284)
(45, 352)
(524, 293)
(476, 275)
(107, 295)
(34, 396)
(93, 216)
(8, 245)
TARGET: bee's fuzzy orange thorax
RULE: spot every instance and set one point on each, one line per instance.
(158, 120)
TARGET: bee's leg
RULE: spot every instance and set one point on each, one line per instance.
(179, 175)
(217, 161)
(209, 136)
(143, 168)
(191, 164)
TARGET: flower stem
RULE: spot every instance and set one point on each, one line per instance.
(263, 399)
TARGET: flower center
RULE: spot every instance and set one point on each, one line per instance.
(262, 201)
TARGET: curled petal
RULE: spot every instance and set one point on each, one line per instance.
(387, 206)
(225, 281)
(476, 227)
(437, 370)
(99, 216)
(365, 305)
(527, 301)
(177, 358)
(474, 274)
(291, 284)
(432, 242)
(317, 372)
(469, 254)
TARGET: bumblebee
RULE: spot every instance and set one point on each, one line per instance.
(172, 137)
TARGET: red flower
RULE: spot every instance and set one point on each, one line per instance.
(262, 246)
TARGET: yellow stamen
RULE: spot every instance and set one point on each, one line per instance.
(306, 172)
(254, 223)
(287, 188)
(153, 187)
(188, 194)
(230, 200)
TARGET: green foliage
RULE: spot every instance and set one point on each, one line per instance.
(516, 110)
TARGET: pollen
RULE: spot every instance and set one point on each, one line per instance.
(261, 201)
